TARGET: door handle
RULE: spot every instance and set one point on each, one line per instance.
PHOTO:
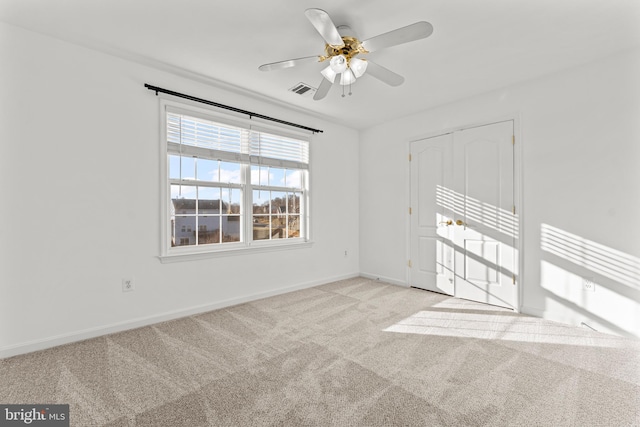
(460, 222)
(450, 222)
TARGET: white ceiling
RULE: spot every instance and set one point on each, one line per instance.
(477, 45)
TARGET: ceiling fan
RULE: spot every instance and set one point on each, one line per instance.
(343, 47)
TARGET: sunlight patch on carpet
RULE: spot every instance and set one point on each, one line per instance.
(498, 325)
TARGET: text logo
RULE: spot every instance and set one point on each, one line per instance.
(34, 415)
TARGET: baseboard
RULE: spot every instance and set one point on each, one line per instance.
(554, 316)
(385, 279)
(42, 344)
(582, 320)
(536, 312)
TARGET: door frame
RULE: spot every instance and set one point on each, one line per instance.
(517, 187)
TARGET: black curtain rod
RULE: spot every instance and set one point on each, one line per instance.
(226, 107)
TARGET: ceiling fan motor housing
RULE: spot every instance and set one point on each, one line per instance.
(352, 47)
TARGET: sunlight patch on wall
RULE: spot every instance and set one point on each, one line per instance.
(604, 302)
(490, 216)
(589, 282)
(603, 260)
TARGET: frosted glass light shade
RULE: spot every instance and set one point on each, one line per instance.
(358, 66)
(329, 74)
(347, 77)
(338, 64)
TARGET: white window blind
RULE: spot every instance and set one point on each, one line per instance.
(203, 133)
(201, 137)
(266, 147)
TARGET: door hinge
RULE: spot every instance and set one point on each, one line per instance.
(514, 278)
(514, 209)
(513, 139)
(410, 211)
(409, 157)
(409, 264)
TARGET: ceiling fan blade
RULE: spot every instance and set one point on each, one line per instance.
(286, 64)
(417, 31)
(322, 22)
(383, 74)
(323, 89)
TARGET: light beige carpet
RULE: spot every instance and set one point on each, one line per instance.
(350, 353)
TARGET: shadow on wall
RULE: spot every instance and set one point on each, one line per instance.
(600, 284)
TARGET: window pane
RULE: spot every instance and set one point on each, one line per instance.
(183, 231)
(276, 177)
(261, 201)
(278, 203)
(261, 227)
(230, 173)
(294, 178)
(259, 175)
(174, 167)
(278, 214)
(231, 198)
(278, 227)
(207, 170)
(188, 168)
(208, 229)
(230, 228)
(183, 198)
(183, 192)
(208, 200)
(293, 203)
(294, 226)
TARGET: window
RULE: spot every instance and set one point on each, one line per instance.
(230, 185)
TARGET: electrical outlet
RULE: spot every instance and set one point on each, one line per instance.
(588, 284)
(127, 285)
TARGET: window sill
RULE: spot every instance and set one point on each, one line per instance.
(245, 250)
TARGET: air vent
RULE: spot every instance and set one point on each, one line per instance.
(303, 89)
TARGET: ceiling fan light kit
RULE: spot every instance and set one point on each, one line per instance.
(341, 49)
(358, 66)
(338, 64)
(347, 78)
(329, 74)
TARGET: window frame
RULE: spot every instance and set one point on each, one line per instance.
(170, 253)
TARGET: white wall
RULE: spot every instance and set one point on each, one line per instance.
(580, 140)
(79, 178)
